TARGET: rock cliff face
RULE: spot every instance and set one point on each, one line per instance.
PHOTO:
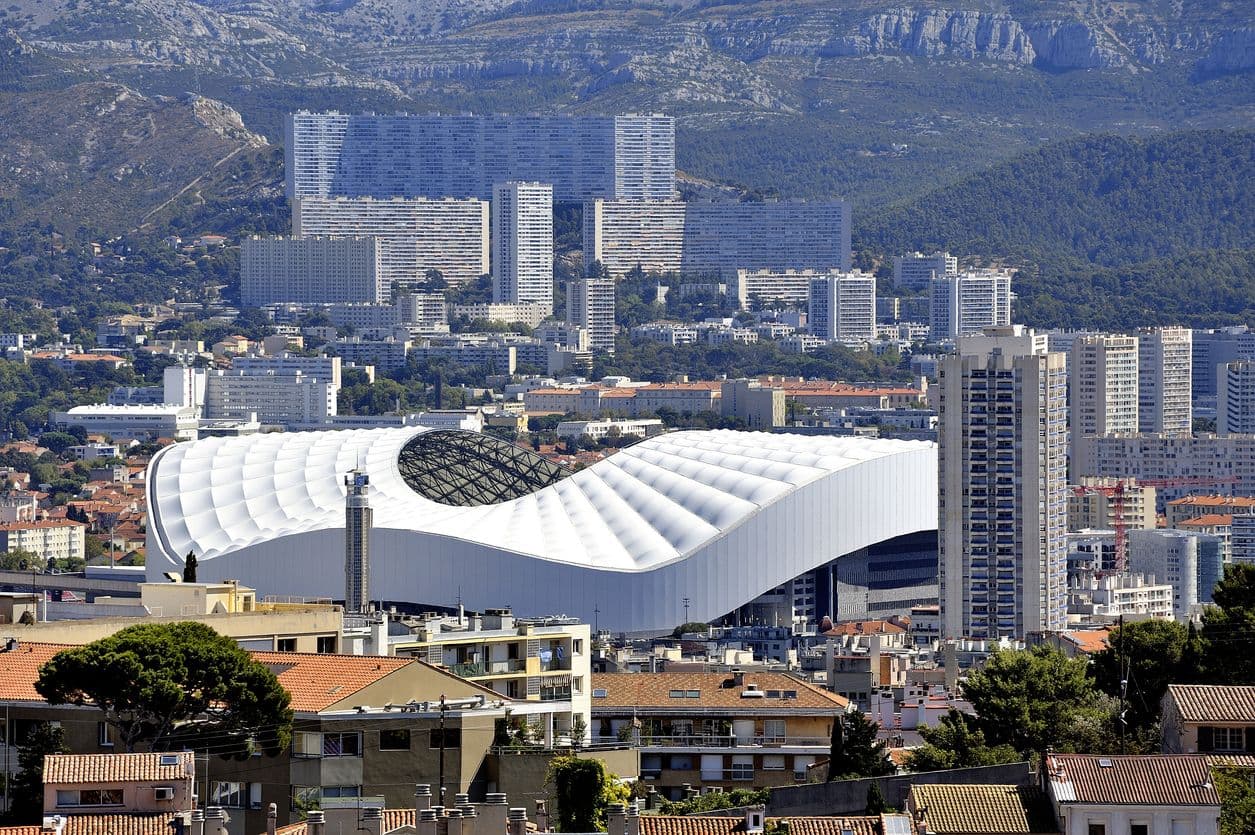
(934, 32)
(1231, 52)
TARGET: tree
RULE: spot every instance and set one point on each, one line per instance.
(1237, 800)
(189, 567)
(584, 788)
(854, 750)
(1036, 699)
(956, 742)
(876, 804)
(691, 628)
(1148, 656)
(1229, 625)
(27, 787)
(19, 559)
(169, 685)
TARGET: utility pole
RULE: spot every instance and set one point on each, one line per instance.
(686, 610)
(442, 710)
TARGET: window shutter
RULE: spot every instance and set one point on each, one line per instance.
(1250, 740)
(1205, 739)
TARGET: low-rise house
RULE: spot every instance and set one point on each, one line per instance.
(728, 730)
(980, 810)
(1145, 794)
(87, 784)
(1208, 718)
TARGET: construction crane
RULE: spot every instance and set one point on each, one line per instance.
(1116, 493)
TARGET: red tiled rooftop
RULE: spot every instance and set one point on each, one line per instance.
(116, 768)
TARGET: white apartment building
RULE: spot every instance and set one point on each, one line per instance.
(414, 235)
(673, 236)
(1213, 348)
(1192, 563)
(384, 354)
(1003, 496)
(139, 422)
(1102, 389)
(1176, 457)
(668, 333)
(315, 270)
(274, 399)
(1242, 538)
(917, 270)
(791, 287)
(52, 539)
(564, 335)
(1235, 400)
(528, 314)
(183, 385)
(590, 306)
(522, 244)
(968, 303)
(1127, 595)
(331, 154)
(1165, 365)
(598, 429)
(842, 307)
(287, 364)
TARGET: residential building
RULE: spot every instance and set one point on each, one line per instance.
(90, 784)
(413, 236)
(271, 399)
(625, 156)
(618, 427)
(52, 539)
(496, 356)
(1165, 360)
(842, 307)
(1214, 524)
(767, 287)
(967, 303)
(1102, 390)
(1092, 504)
(285, 364)
(1185, 508)
(150, 422)
(1111, 596)
(1208, 718)
(760, 406)
(522, 244)
(1242, 539)
(917, 270)
(385, 354)
(1144, 794)
(564, 335)
(1235, 397)
(529, 314)
(1191, 563)
(1003, 497)
(590, 306)
(1187, 459)
(312, 270)
(716, 730)
(668, 333)
(92, 451)
(1213, 348)
(673, 236)
(950, 809)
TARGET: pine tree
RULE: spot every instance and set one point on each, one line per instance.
(189, 568)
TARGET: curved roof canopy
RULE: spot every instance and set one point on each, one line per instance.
(467, 469)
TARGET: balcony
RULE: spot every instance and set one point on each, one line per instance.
(476, 669)
(721, 741)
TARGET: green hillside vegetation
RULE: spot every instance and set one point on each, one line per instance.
(1106, 200)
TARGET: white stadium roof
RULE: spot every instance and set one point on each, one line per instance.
(716, 516)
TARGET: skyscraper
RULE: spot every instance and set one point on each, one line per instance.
(1003, 502)
(522, 244)
(842, 306)
(915, 271)
(1165, 365)
(358, 517)
(590, 305)
(1103, 391)
(967, 303)
(1235, 401)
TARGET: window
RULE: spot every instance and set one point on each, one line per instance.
(1139, 829)
(773, 729)
(228, 795)
(1098, 829)
(104, 734)
(306, 744)
(342, 744)
(1228, 739)
(773, 762)
(394, 739)
(304, 797)
(341, 791)
(285, 645)
(577, 646)
(599, 692)
(681, 762)
(327, 644)
(577, 684)
(254, 795)
(452, 737)
(742, 768)
(89, 797)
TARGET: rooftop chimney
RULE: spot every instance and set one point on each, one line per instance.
(422, 798)
(314, 820)
(518, 821)
(542, 816)
(372, 821)
(358, 518)
(616, 819)
(453, 822)
(426, 823)
(272, 819)
(492, 814)
(633, 818)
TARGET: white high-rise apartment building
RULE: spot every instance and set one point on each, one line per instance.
(1003, 499)
(1235, 401)
(673, 236)
(917, 270)
(522, 244)
(287, 364)
(278, 399)
(309, 270)
(842, 307)
(1166, 368)
(767, 286)
(336, 154)
(1103, 390)
(414, 235)
(590, 305)
(968, 303)
(1191, 563)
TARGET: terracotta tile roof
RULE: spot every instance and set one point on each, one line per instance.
(43, 523)
(116, 768)
(20, 668)
(135, 823)
(977, 808)
(716, 690)
(865, 627)
(1207, 520)
(1214, 702)
(713, 825)
(1214, 501)
(1089, 641)
(1232, 760)
(392, 819)
(317, 681)
(1143, 779)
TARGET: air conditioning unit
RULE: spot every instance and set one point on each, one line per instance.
(164, 793)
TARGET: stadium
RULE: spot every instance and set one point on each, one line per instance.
(691, 523)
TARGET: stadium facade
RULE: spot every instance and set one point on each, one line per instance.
(695, 523)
